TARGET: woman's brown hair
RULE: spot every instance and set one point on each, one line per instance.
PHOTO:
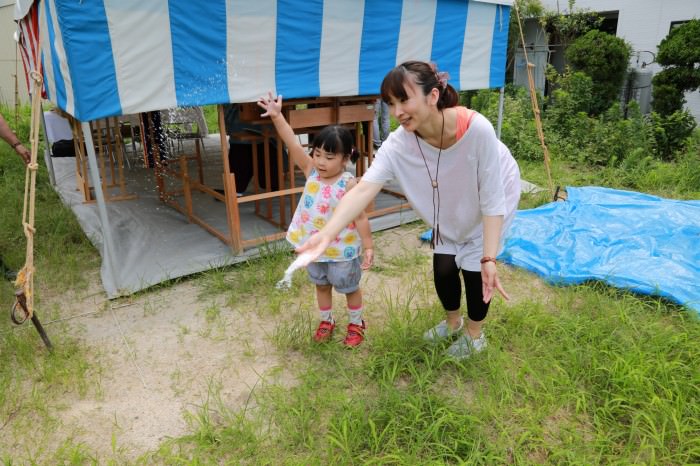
(426, 76)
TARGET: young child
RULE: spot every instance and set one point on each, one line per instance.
(327, 181)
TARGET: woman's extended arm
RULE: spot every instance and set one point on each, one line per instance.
(273, 109)
(350, 206)
(492, 240)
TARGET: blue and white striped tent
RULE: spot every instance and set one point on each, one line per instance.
(114, 57)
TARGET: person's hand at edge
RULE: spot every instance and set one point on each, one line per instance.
(24, 153)
(491, 282)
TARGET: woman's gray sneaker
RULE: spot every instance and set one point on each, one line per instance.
(442, 331)
(465, 345)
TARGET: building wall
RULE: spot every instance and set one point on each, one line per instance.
(10, 61)
(642, 23)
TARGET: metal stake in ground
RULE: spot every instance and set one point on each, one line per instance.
(21, 304)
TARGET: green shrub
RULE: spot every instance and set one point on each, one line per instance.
(604, 58)
(615, 137)
(667, 99)
(679, 54)
(671, 132)
(572, 95)
(518, 132)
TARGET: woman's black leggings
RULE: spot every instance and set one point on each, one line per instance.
(449, 287)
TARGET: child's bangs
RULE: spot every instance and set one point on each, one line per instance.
(329, 141)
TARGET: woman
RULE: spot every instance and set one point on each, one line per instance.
(459, 178)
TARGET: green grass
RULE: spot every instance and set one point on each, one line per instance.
(211, 116)
(61, 250)
(583, 375)
(678, 180)
(597, 376)
(33, 381)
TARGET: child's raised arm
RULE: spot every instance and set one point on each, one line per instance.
(273, 109)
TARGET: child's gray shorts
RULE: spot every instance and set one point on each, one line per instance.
(343, 276)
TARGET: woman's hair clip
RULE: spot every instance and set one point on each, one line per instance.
(442, 78)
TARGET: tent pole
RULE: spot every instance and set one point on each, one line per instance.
(47, 151)
(501, 100)
(107, 246)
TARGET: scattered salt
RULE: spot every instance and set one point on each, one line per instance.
(302, 261)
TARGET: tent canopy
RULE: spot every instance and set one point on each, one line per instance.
(114, 57)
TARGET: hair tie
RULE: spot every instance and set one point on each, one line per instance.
(442, 78)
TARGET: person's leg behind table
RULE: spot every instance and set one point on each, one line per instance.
(380, 125)
(384, 120)
(274, 166)
(240, 157)
(241, 161)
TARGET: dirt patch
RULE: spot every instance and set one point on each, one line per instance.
(160, 355)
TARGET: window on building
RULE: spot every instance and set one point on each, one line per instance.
(609, 23)
(675, 24)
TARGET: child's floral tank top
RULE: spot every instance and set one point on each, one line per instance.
(315, 208)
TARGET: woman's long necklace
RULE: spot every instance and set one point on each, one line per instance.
(434, 183)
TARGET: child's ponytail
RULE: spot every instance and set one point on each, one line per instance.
(354, 155)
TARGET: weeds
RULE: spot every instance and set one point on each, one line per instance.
(598, 376)
(593, 376)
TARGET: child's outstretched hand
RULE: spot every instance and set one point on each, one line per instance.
(271, 105)
(368, 258)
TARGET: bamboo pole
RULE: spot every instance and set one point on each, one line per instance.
(535, 104)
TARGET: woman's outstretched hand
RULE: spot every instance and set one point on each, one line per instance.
(490, 282)
(313, 247)
(271, 105)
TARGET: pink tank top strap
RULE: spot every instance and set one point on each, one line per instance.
(464, 119)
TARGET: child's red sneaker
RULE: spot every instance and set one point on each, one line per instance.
(356, 335)
(324, 332)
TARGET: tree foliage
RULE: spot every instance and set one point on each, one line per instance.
(679, 54)
(604, 58)
(563, 29)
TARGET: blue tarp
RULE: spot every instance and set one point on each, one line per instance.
(639, 242)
